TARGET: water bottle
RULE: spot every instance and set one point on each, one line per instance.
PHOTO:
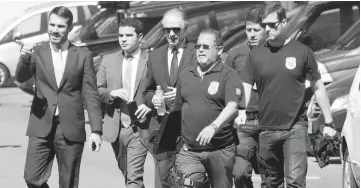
(159, 96)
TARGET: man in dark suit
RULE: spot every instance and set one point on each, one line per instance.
(118, 82)
(165, 65)
(64, 78)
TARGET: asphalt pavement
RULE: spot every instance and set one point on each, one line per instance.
(98, 170)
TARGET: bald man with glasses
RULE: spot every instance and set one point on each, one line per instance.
(209, 94)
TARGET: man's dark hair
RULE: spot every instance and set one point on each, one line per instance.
(132, 22)
(217, 35)
(255, 15)
(275, 6)
(64, 13)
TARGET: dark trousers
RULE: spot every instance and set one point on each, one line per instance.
(283, 154)
(162, 172)
(217, 164)
(40, 156)
(246, 157)
(130, 154)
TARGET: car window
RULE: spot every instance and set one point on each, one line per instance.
(30, 26)
(74, 10)
(7, 38)
(350, 39)
(195, 26)
(337, 20)
(89, 11)
(229, 17)
(101, 24)
(108, 26)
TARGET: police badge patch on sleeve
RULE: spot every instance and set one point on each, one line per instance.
(290, 62)
(213, 87)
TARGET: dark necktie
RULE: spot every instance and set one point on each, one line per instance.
(174, 65)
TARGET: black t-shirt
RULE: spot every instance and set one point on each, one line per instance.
(202, 100)
(236, 59)
(280, 74)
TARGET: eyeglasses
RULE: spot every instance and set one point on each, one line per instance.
(204, 46)
(272, 25)
(174, 29)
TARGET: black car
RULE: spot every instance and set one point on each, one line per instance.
(318, 24)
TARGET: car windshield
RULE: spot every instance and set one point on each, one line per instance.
(102, 24)
(350, 39)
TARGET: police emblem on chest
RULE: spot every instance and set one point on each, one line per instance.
(290, 62)
(213, 87)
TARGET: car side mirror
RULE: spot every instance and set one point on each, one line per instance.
(17, 36)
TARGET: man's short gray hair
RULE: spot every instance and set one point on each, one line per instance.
(217, 35)
(177, 11)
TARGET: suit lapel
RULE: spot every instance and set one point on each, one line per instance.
(118, 71)
(47, 58)
(69, 63)
(187, 54)
(164, 60)
(141, 66)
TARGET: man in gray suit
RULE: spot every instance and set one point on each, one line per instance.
(119, 79)
(64, 79)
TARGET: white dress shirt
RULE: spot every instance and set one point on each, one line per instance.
(134, 61)
(170, 56)
(57, 68)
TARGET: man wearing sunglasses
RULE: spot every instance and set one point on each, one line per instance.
(165, 64)
(246, 158)
(208, 95)
(280, 67)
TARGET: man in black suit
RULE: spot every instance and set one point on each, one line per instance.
(165, 65)
(64, 78)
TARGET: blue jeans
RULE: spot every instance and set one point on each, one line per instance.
(217, 164)
(283, 154)
(246, 157)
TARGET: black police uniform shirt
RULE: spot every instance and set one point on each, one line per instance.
(201, 100)
(280, 74)
(237, 59)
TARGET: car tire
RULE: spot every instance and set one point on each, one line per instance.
(348, 178)
(4, 75)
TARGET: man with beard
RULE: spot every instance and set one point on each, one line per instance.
(119, 81)
(246, 158)
(64, 79)
(165, 64)
(208, 95)
(280, 68)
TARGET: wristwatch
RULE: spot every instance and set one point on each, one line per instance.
(214, 126)
(331, 124)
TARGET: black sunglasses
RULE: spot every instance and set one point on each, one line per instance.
(205, 46)
(174, 29)
(272, 25)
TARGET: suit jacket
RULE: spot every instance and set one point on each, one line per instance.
(158, 75)
(78, 85)
(109, 77)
